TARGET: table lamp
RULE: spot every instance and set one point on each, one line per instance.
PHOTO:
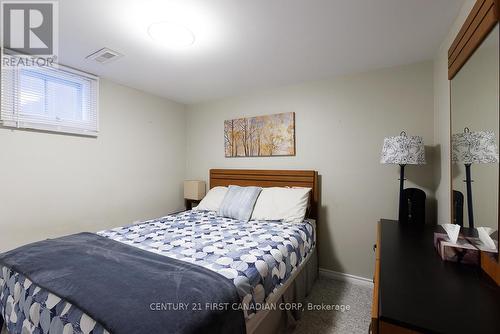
(403, 150)
(194, 191)
(476, 147)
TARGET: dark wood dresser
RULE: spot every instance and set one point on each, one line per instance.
(416, 292)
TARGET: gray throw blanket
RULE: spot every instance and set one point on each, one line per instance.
(129, 290)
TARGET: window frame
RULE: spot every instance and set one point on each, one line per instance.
(12, 119)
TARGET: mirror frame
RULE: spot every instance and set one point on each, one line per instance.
(483, 18)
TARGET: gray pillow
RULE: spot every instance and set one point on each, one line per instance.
(239, 202)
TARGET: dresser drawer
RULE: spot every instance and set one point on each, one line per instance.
(387, 328)
(378, 326)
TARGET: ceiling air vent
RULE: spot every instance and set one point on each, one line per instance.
(104, 55)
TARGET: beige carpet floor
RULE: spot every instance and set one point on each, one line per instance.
(355, 320)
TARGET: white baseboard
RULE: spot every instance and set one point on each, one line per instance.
(358, 280)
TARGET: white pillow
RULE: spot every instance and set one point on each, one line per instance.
(213, 199)
(287, 204)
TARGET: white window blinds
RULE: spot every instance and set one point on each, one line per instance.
(44, 98)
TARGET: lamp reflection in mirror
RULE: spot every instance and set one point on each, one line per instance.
(473, 147)
(403, 150)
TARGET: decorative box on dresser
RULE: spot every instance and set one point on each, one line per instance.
(416, 292)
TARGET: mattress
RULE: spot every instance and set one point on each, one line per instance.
(258, 256)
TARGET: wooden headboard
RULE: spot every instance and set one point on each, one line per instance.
(269, 178)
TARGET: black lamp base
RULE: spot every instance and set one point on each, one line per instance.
(402, 212)
(468, 181)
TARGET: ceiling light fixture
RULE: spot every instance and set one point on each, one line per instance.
(171, 34)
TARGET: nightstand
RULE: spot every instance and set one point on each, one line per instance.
(190, 203)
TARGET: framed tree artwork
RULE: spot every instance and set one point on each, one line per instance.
(261, 136)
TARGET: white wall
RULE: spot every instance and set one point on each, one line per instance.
(340, 127)
(54, 184)
(442, 119)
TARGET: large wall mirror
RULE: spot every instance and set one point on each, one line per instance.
(475, 136)
(473, 70)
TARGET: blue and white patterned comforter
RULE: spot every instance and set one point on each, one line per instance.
(258, 256)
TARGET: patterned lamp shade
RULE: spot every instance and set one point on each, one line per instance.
(403, 150)
(477, 147)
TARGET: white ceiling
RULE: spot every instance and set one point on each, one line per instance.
(244, 45)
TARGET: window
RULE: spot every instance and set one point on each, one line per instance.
(44, 98)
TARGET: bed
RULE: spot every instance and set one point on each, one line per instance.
(271, 264)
